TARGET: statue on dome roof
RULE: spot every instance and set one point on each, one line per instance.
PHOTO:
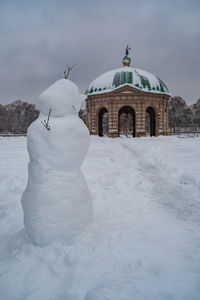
(126, 60)
(127, 50)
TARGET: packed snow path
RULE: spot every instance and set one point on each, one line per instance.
(144, 243)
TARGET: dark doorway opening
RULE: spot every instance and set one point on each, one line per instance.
(103, 122)
(126, 122)
(150, 122)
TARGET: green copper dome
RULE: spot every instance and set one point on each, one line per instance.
(136, 78)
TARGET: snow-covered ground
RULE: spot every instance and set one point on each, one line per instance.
(145, 239)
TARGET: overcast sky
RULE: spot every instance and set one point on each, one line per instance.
(37, 39)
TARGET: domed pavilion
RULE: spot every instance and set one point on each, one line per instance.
(127, 101)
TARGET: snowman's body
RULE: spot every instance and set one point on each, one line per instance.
(56, 202)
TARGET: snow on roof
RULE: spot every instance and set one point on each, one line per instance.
(137, 78)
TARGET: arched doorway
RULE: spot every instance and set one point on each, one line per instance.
(150, 122)
(103, 122)
(126, 121)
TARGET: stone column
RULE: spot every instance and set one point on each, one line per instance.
(94, 128)
(140, 119)
(88, 113)
(159, 120)
(163, 122)
(166, 132)
(113, 119)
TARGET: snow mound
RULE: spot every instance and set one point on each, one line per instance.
(143, 243)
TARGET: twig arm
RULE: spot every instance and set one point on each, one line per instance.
(46, 123)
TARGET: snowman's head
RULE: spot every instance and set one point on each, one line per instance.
(62, 98)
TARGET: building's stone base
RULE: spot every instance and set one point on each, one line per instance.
(112, 134)
(140, 134)
(164, 133)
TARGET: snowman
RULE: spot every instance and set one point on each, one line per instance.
(57, 204)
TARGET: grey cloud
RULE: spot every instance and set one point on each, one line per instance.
(37, 40)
